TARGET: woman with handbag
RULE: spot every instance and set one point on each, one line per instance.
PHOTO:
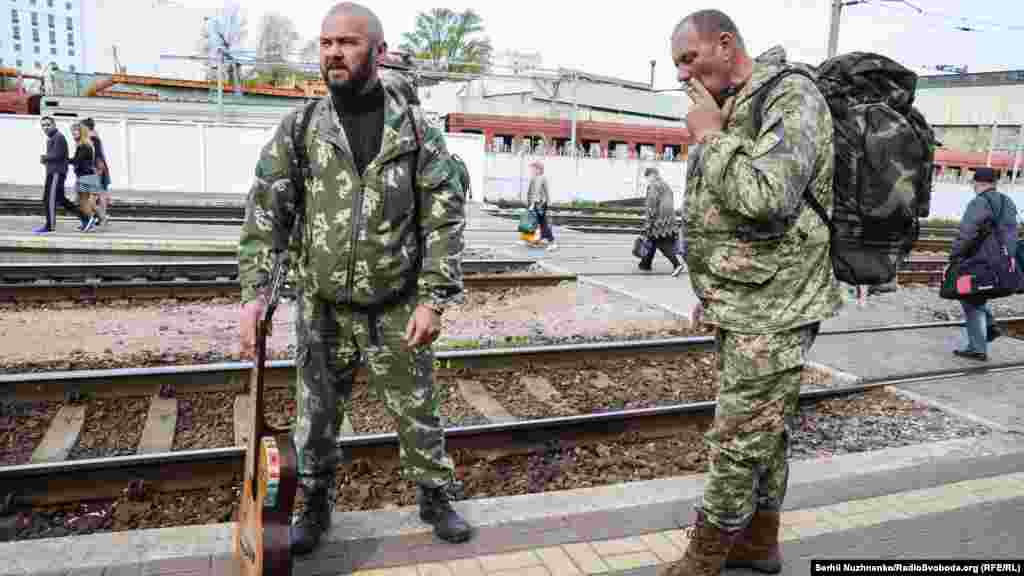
(86, 181)
(661, 230)
(982, 262)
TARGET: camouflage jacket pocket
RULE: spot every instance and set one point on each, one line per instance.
(742, 262)
(398, 187)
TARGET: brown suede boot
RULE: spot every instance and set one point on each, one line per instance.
(706, 553)
(757, 547)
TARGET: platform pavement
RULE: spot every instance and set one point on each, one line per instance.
(896, 494)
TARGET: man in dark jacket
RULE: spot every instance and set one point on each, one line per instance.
(977, 242)
(56, 162)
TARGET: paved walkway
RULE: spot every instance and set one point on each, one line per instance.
(972, 519)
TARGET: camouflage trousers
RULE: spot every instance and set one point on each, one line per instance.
(757, 407)
(333, 343)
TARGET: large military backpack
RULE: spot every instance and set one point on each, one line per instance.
(884, 153)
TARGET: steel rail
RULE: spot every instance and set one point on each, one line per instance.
(102, 478)
(11, 272)
(233, 376)
(194, 289)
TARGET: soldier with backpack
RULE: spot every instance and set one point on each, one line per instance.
(802, 177)
(759, 261)
(377, 209)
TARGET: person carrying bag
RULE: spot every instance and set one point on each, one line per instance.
(982, 262)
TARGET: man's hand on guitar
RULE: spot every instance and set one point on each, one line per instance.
(252, 313)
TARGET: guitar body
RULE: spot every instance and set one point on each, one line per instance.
(261, 539)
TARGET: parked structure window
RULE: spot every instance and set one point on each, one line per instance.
(17, 47)
(67, 5)
(14, 15)
(71, 52)
(36, 48)
(52, 20)
(71, 39)
(49, 3)
(35, 18)
(53, 36)
(32, 2)
(71, 26)
(71, 67)
(35, 34)
(16, 32)
(53, 50)
(19, 62)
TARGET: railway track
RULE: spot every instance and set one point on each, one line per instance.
(45, 282)
(55, 482)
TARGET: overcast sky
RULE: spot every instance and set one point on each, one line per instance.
(621, 42)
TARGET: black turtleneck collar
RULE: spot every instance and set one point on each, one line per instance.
(362, 118)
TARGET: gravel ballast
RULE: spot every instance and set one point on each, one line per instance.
(870, 421)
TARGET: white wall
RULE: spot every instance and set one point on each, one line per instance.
(470, 147)
(190, 157)
(593, 179)
(177, 156)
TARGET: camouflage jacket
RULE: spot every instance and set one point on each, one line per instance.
(661, 211)
(758, 254)
(358, 242)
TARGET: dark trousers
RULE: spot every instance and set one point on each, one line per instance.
(667, 246)
(545, 228)
(53, 193)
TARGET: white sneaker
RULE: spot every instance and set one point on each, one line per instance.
(679, 270)
(553, 246)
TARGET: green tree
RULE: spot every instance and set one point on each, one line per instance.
(444, 35)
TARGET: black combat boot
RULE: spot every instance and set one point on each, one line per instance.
(315, 519)
(436, 509)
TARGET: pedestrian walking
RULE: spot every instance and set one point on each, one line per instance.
(660, 226)
(56, 162)
(537, 198)
(988, 233)
(103, 171)
(758, 258)
(87, 183)
(377, 261)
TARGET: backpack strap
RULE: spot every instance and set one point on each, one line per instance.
(995, 220)
(299, 168)
(758, 116)
(417, 130)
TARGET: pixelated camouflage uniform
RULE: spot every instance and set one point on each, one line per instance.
(759, 261)
(358, 245)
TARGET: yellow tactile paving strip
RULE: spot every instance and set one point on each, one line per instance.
(610, 556)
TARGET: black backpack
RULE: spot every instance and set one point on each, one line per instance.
(884, 155)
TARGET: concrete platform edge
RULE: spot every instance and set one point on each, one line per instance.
(384, 538)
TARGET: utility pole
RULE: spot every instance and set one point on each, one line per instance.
(653, 62)
(1016, 155)
(575, 111)
(833, 31)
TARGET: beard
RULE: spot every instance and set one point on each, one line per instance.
(358, 77)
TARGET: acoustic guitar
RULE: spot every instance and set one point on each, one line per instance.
(261, 539)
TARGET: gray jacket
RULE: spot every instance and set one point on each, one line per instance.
(538, 191)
